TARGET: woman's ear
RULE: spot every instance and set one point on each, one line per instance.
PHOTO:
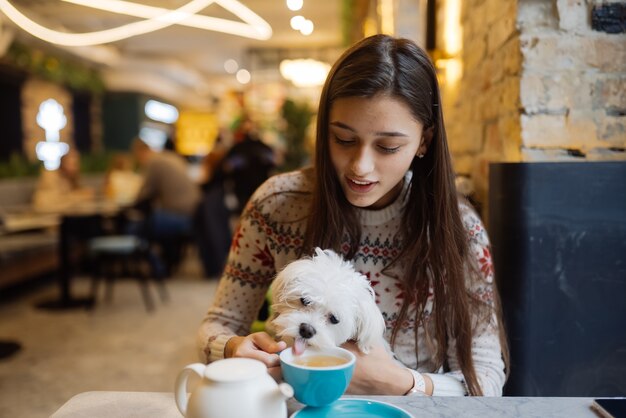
(427, 137)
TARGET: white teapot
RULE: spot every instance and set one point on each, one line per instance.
(233, 387)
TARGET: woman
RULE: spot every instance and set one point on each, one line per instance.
(60, 190)
(382, 193)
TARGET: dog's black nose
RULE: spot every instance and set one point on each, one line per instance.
(306, 330)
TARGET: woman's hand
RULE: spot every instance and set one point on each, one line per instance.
(377, 373)
(259, 346)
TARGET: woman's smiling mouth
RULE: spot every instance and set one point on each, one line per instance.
(360, 186)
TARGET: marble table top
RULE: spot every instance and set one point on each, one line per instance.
(156, 404)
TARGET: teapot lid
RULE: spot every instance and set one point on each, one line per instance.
(234, 369)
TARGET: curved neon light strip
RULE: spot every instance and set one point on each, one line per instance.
(255, 27)
(161, 18)
(104, 36)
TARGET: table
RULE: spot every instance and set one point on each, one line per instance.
(78, 223)
(162, 405)
(28, 221)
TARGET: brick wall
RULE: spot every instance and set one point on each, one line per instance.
(538, 84)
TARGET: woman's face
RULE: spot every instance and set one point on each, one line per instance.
(372, 144)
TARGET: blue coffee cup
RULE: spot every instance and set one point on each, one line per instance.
(318, 376)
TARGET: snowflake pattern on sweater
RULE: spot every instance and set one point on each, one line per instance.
(270, 233)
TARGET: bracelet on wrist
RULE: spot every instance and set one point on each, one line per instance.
(419, 384)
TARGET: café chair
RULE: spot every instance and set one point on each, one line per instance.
(133, 255)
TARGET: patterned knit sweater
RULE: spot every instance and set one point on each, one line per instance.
(271, 231)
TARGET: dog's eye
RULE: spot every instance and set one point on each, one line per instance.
(333, 319)
(305, 301)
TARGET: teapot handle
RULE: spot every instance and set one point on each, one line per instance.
(180, 389)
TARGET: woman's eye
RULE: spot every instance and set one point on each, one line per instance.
(333, 319)
(388, 150)
(342, 141)
(305, 301)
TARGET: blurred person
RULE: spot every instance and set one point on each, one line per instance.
(231, 177)
(122, 183)
(211, 163)
(59, 190)
(168, 198)
(212, 221)
(246, 165)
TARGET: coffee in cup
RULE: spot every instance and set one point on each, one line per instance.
(318, 376)
(319, 361)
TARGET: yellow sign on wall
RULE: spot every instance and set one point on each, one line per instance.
(196, 132)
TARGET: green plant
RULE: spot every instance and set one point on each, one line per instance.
(18, 166)
(56, 69)
(297, 118)
(97, 162)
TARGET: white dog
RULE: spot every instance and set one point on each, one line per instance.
(322, 301)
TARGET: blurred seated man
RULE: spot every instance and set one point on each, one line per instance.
(168, 197)
(60, 190)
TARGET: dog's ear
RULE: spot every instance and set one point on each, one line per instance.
(277, 287)
(370, 322)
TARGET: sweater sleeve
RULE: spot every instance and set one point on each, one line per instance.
(486, 350)
(243, 285)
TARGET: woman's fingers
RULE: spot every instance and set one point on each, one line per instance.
(267, 348)
(259, 346)
(267, 343)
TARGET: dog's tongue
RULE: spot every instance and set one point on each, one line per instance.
(298, 346)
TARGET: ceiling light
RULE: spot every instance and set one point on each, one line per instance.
(243, 76)
(155, 19)
(296, 22)
(294, 4)
(306, 28)
(305, 72)
(161, 112)
(103, 36)
(231, 66)
(253, 26)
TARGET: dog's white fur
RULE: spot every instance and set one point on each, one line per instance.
(329, 286)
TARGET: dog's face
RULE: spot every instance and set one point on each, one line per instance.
(323, 302)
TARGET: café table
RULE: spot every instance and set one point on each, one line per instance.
(162, 405)
(76, 223)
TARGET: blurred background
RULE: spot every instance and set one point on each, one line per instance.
(523, 81)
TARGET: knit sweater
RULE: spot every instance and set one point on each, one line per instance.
(270, 233)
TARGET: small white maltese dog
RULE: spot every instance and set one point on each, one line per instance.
(322, 301)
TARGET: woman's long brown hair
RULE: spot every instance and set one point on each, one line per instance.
(434, 240)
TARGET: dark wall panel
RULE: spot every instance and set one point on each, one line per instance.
(11, 134)
(558, 232)
(121, 119)
(81, 108)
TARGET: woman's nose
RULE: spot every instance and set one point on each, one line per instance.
(362, 162)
